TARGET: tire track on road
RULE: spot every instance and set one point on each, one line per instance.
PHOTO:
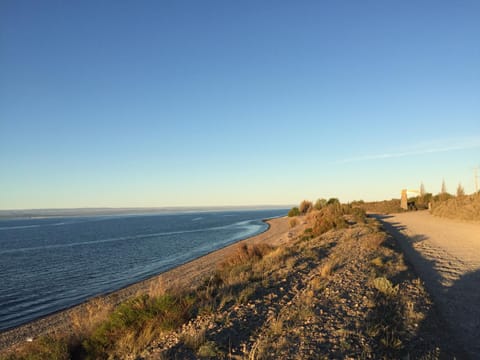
(446, 255)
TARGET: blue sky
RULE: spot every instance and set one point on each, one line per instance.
(178, 103)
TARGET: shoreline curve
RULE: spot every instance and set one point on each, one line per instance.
(185, 276)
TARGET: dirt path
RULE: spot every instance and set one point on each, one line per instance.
(446, 255)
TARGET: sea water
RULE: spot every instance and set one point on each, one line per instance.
(49, 264)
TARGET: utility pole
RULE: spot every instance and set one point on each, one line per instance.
(475, 176)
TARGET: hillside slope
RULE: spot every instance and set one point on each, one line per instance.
(461, 208)
(344, 294)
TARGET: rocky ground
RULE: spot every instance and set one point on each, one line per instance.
(346, 294)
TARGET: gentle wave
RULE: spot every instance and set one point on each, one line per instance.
(19, 227)
(123, 238)
(62, 223)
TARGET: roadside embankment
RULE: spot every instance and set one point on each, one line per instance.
(465, 207)
(339, 290)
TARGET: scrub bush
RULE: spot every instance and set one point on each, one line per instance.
(135, 323)
(305, 207)
(294, 212)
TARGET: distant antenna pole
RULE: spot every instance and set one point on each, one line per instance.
(476, 179)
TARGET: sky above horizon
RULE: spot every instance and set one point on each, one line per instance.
(205, 103)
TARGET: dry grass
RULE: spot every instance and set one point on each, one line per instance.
(88, 317)
(305, 207)
(410, 313)
(195, 340)
(242, 268)
(380, 207)
(302, 313)
(208, 350)
(277, 257)
(276, 325)
(247, 293)
(309, 298)
(246, 253)
(378, 262)
(317, 283)
(374, 240)
(135, 323)
(272, 341)
(327, 269)
(461, 208)
(156, 288)
(45, 348)
(384, 285)
(328, 218)
(293, 222)
(238, 277)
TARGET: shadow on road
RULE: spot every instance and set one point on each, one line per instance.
(458, 304)
(428, 272)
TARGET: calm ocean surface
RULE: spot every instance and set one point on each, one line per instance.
(53, 263)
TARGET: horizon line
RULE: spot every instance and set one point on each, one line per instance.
(168, 207)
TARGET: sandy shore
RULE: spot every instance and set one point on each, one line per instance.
(183, 277)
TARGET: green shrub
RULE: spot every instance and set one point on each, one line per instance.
(246, 254)
(359, 214)
(294, 212)
(44, 348)
(380, 207)
(442, 197)
(320, 203)
(330, 217)
(384, 285)
(194, 340)
(208, 350)
(422, 201)
(333, 201)
(134, 323)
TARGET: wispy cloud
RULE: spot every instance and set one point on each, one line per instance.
(450, 145)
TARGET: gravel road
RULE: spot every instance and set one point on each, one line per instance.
(446, 256)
